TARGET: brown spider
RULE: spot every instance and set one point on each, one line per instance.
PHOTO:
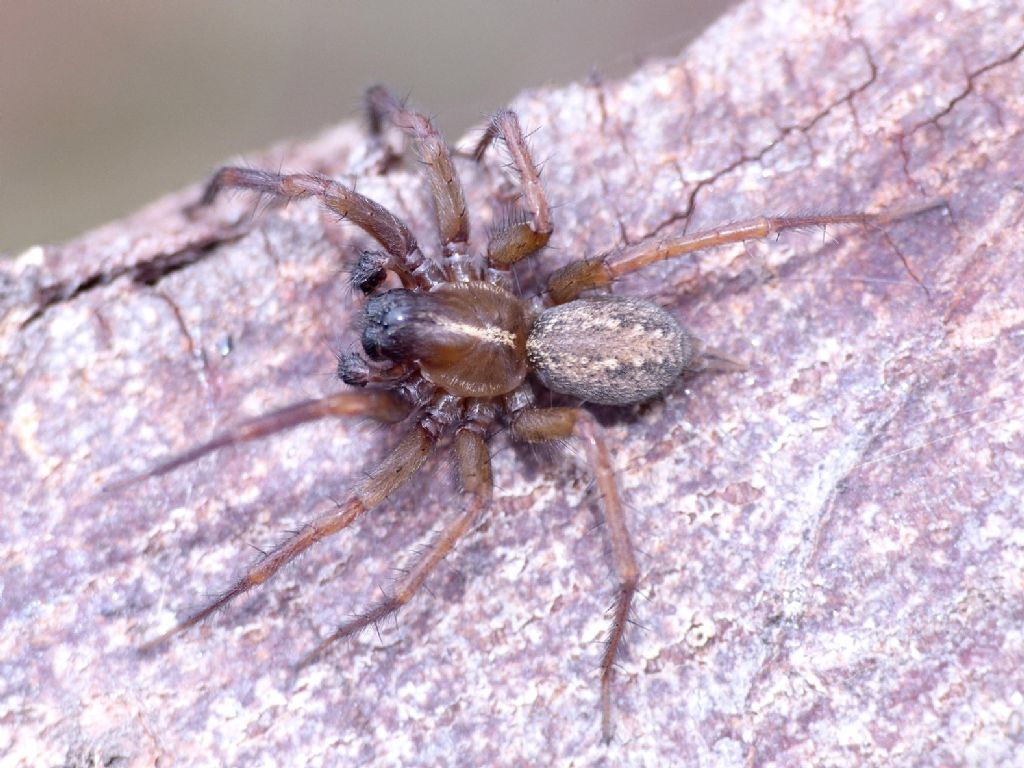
(452, 350)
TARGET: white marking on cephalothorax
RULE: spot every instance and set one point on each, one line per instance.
(492, 334)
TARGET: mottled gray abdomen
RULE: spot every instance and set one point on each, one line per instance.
(612, 350)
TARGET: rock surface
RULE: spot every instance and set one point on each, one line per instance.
(831, 542)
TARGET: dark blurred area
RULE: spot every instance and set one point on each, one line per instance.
(105, 106)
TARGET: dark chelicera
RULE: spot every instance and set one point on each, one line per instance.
(449, 353)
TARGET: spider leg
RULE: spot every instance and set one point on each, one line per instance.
(541, 424)
(380, 405)
(392, 141)
(405, 257)
(517, 239)
(391, 474)
(474, 466)
(570, 281)
(445, 187)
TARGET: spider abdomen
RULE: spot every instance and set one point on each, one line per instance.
(610, 350)
(469, 338)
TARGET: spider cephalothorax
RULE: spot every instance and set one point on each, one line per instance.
(451, 353)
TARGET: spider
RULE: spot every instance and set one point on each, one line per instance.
(456, 352)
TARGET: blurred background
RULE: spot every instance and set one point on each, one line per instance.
(106, 106)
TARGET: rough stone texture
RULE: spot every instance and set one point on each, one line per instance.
(831, 542)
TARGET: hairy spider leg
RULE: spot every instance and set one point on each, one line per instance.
(570, 281)
(380, 405)
(391, 474)
(405, 257)
(517, 239)
(445, 187)
(474, 468)
(543, 424)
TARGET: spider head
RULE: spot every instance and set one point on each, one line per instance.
(389, 318)
(469, 338)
